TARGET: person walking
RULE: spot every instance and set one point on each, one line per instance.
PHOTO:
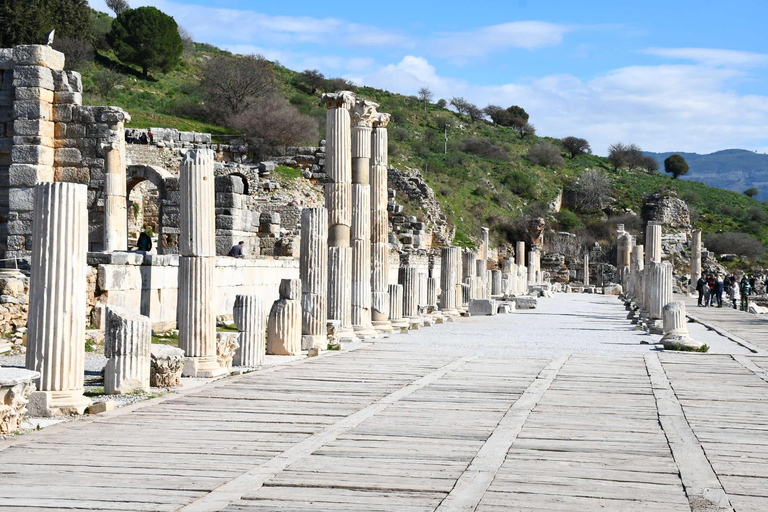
(700, 284)
(719, 288)
(733, 292)
(745, 289)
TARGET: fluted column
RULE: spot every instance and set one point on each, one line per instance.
(659, 283)
(496, 283)
(451, 258)
(531, 267)
(480, 268)
(653, 242)
(197, 245)
(676, 334)
(431, 294)
(338, 201)
(284, 326)
(127, 342)
(469, 264)
(408, 277)
(57, 297)
(396, 306)
(695, 257)
(520, 254)
(115, 197)
(313, 272)
(586, 269)
(249, 317)
(379, 225)
(485, 241)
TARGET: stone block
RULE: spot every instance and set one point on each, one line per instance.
(101, 407)
(290, 289)
(16, 384)
(31, 109)
(231, 184)
(482, 307)
(34, 127)
(67, 157)
(166, 364)
(6, 59)
(118, 277)
(40, 155)
(35, 94)
(32, 76)
(21, 199)
(63, 113)
(38, 55)
(525, 302)
(71, 98)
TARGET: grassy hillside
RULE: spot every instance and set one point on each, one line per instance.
(483, 179)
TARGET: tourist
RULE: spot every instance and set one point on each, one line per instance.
(707, 294)
(711, 286)
(143, 138)
(237, 250)
(700, 284)
(733, 292)
(752, 283)
(144, 244)
(150, 136)
(746, 289)
(719, 288)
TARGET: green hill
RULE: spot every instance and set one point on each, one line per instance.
(484, 178)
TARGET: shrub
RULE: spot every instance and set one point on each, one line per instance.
(521, 184)
(590, 191)
(231, 85)
(546, 154)
(735, 243)
(105, 81)
(484, 147)
(568, 220)
(76, 51)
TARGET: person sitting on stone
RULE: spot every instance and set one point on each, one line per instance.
(143, 138)
(144, 243)
(237, 250)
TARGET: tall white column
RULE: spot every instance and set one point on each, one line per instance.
(57, 299)
(586, 269)
(379, 225)
(408, 277)
(249, 316)
(197, 245)
(659, 282)
(451, 258)
(115, 200)
(338, 201)
(362, 115)
(695, 257)
(520, 254)
(396, 306)
(313, 271)
(485, 244)
(653, 242)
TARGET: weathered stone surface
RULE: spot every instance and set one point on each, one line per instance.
(695, 257)
(166, 364)
(38, 55)
(249, 317)
(379, 232)
(227, 344)
(408, 278)
(57, 299)
(16, 384)
(284, 328)
(313, 271)
(197, 208)
(482, 307)
(449, 270)
(675, 327)
(127, 340)
(525, 302)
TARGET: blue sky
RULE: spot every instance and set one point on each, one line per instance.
(667, 75)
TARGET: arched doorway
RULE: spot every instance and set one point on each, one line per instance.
(146, 191)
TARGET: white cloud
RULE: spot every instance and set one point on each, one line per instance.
(711, 56)
(661, 108)
(527, 35)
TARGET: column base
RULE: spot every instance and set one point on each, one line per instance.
(655, 327)
(347, 334)
(365, 331)
(414, 322)
(451, 312)
(400, 323)
(202, 367)
(382, 326)
(57, 403)
(310, 341)
(678, 341)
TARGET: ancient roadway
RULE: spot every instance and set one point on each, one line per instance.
(560, 408)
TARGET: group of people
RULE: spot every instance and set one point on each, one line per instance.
(712, 288)
(139, 137)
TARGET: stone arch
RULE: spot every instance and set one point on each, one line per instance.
(246, 184)
(158, 177)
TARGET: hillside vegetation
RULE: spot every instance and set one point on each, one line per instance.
(483, 175)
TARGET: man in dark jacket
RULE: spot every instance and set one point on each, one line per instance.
(700, 284)
(237, 251)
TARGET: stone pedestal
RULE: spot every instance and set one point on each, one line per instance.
(396, 307)
(284, 327)
(379, 225)
(16, 385)
(451, 259)
(57, 296)
(248, 314)
(166, 364)
(313, 272)
(127, 340)
(676, 329)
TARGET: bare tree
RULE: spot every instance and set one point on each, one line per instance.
(546, 154)
(232, 85)
(576, 146)
(425, 96)
(313, 79)
(76, 51)
(273, 122)
(340, 84)
(187, 40)
(527, 129)
(591, 191)
(118, 6)
(106, 80)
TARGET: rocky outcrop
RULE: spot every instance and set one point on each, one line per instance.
(411, 183)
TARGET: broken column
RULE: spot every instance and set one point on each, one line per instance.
(623, 255)
(127, 342)
(431, 294)
(197, 263)
(653, 242)
(362, 115)
(338, 201)
(16, 384)
(451, 259)
(396, 306)
(115, 197)
(676, 329)
(313, 271)
(57, 297)
(659, 283)
(284, 327)
(496, 289)
(695, 257)
(379, 225)
(408, 277)
(248, 315)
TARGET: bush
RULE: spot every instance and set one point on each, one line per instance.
(590, 191)
(105, 81)
(76, 51)
(735, 243)
(484, 147)
(546, 154)
(568, 220)
(521, 184)
(231, 85)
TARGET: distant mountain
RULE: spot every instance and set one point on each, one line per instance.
(731, 169)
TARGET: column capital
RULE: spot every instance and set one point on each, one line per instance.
(381, 120)
(341, 99)
(363, 113)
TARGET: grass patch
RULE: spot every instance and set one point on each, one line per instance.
(288, 173)
(166, 338)
(90, 346)
(96, 391)
(226, 328)
(684, 348)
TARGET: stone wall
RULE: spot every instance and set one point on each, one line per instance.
(148, 284)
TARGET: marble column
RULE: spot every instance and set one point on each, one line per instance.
(586, 269)
(313, 272)
(197, 264)
(379, 225)
(431, 294)
(451, 258)
(284, 326)
(695, 258)
(481, 268)
(469, 264)
(57, 299)
(396, 306)
(653, 242)
(408, 277)
(676, 328)
(338, 201)
(484, 244)
(127, 341)
(115, 196)
(532, 266)
(520, 254)
(362, 116)
(496, 289)
(248, 315)
(659, 282)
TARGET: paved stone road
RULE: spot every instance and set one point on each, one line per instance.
(560, 408)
